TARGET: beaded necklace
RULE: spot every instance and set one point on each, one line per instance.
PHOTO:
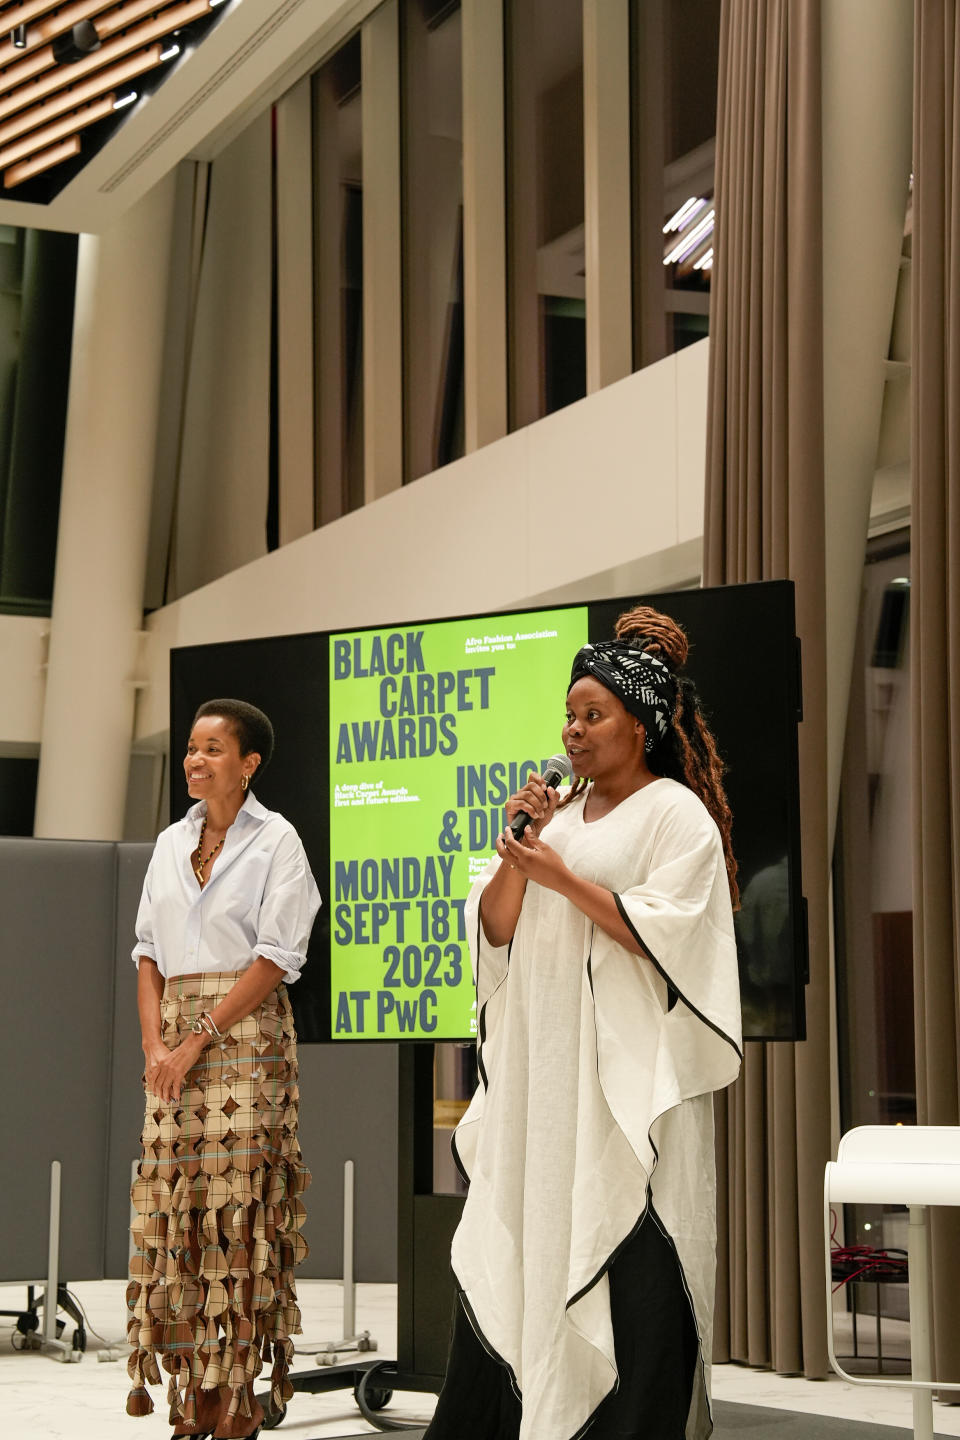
(201, 862)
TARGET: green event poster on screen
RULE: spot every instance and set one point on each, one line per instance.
(432, 728)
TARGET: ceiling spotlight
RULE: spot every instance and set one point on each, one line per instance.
(76, 43)
(18, 37)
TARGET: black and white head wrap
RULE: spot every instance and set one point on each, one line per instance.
(643, 683)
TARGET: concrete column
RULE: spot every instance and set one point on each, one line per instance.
(122, 279)
(294, 312)
(382, 274)
(606, 179)
(867, 137)
(484, 225)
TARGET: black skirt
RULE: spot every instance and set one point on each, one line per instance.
(656, 1346)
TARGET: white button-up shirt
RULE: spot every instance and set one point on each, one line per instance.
(261, 898)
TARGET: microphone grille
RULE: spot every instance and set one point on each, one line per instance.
(560, 765)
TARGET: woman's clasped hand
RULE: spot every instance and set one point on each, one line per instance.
(165, 1070)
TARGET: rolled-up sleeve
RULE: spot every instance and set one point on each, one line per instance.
(288, 908)
(145, 947)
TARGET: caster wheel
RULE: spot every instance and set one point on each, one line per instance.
(375, 1397)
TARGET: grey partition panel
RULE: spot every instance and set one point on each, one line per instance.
(57, 903)
(126, 1087)
(348, 1111)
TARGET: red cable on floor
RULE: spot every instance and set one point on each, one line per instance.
(865, 1257)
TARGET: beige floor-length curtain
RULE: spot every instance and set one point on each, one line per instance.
(935, 617)
(222, 483)
(765, 520)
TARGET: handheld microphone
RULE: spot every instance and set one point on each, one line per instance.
(558, 768)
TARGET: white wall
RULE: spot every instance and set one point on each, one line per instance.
(23, 658)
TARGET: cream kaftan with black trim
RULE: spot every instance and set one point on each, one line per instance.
(597, 1069)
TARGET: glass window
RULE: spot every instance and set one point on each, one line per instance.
(432, 102)
(675, 49)
(873, 871)
(873, 917)
(545, 210)
(18, 794)
(37, 283)
(338, 283)
(454, 1081)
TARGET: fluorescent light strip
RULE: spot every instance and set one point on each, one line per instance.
(706, 260)
(684, 214)
(678, 215)
(126, 100)
(695, 244)
(44, 161)
(690, 239)
(108, 79)
(58, 78)
(78, 120)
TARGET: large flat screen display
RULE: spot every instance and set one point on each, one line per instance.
(429, 736)
(398, 746)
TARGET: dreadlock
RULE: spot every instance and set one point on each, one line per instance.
(688, 753)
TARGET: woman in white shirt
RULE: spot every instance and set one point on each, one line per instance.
(227, 908)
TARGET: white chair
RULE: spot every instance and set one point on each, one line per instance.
(917, 1166)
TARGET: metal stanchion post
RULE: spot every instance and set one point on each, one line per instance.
(328, 1350)
(53, 1259)
(920, 1358)
(349, 1287)
(50, 1345)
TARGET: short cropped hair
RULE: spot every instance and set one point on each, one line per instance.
(252, 728)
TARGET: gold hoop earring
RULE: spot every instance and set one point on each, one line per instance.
(244, 781)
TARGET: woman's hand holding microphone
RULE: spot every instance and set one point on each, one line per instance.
(529, 856)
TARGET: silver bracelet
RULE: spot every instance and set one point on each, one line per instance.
(210, 1025)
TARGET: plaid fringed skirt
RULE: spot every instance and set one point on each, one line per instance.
(218, 1211)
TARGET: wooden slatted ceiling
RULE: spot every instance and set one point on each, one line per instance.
(77, 120)
(46, 160)
(43, 105)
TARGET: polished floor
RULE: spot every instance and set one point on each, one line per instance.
(46, 1400)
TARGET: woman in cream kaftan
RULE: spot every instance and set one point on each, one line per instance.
(585, 1256)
